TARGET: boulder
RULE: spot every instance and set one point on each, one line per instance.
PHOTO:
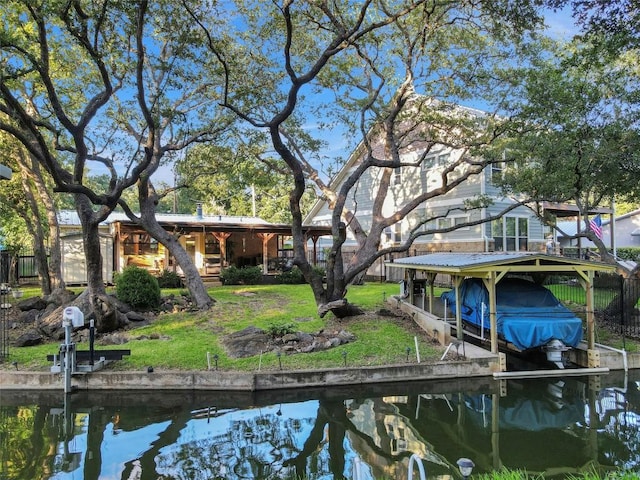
(28, 339)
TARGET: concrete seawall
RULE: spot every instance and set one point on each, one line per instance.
(250, 381)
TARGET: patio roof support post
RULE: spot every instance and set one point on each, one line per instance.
(412, 277)
(591, 323)
(222, 238)
(586, 280)
(314, 239)
(265, 250)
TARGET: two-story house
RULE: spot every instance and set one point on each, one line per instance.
(517, 230)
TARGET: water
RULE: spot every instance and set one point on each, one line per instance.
(556, 426)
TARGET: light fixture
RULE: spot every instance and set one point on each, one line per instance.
(466, 466)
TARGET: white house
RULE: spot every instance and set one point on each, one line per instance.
(518, 230)
(626, 231)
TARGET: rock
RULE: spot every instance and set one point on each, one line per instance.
(29, 316)
(246, 343)
(60, 297)
(33, 303)
(254, 341)
(305, 337)
(346, 337)
(28, 339)
(290, 337)
(135, 316)
(113, 339)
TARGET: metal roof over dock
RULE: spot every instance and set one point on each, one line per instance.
(491, 267)
(481, 264)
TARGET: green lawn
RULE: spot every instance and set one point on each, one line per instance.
(184, 341)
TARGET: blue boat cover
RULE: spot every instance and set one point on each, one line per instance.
(528, 315)
(529, 414)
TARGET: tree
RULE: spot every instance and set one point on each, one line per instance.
(241, 181)
(361, 66)
(578, 139)
(27, 196)
(89, 84)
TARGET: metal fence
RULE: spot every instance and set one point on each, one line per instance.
(4, 327)
(615, 301)
(16, 269)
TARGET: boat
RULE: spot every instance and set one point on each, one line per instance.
(528, 316)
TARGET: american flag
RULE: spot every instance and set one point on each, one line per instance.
(596, 226)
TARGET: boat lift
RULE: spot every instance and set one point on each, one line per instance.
(70, 361)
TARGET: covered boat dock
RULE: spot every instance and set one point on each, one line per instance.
(421, 272)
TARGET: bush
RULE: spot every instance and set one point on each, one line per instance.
(281, 329)
(246, 275)
(138, 288)
(293, 276)
(169, 279)
(629, 253)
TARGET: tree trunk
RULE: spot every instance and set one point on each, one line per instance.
(31, 217)
(147, 199)
(192, 278)
(55, 253)
(106, 316)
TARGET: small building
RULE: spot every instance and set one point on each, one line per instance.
(212, 241)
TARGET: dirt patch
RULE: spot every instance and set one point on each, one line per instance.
(253, 341)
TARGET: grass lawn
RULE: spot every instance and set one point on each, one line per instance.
(183, 341)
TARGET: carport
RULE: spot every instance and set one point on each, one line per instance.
(493, 267)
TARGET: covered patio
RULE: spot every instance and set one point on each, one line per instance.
(213, 243)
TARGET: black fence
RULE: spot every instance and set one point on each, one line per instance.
(17, 269)
(615, 301)
(4, 327)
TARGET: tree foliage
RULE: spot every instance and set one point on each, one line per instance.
(240, 181)
(375, 71)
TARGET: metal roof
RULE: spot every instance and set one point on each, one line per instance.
(188, 222)
(483, 262)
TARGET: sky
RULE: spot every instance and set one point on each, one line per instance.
(560, 25)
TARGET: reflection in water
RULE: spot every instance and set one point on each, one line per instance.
(554, 426)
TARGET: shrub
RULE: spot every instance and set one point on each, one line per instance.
(138, 288)
(169, 279)
(293, 276)
(233, 275)
(281, 329)
(251, 275)
(230, 275)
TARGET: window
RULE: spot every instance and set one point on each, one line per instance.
(211, 245)
(397, 232)
(429, 162)
(511, 234)
(435, 160)
(496, 172)
(141, 244)
(443, 159)
(443, 223)
(397, 176)
(460, 221)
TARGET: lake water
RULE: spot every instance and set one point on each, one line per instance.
(556, 426)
